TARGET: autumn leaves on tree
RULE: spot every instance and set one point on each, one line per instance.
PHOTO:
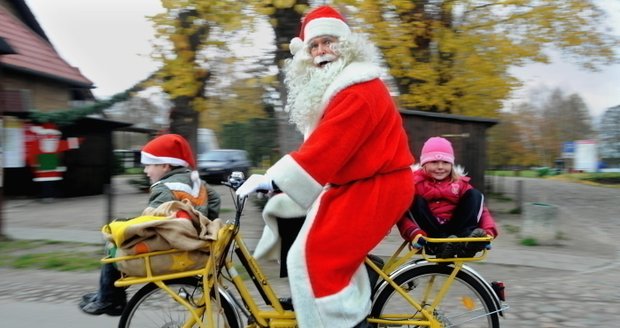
(443, 56)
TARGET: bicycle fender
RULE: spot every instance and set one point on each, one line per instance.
(473, 273)
(465, 270)
(228, 297)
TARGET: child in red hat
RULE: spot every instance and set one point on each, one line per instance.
(445, 203)
(169, 163)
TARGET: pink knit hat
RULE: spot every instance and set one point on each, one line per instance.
(437, 149)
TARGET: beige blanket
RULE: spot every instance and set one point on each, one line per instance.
(160, 229)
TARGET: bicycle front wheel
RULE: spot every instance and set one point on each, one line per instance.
(152, 307)
(467, 303)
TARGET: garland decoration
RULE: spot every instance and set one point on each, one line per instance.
(68, 116)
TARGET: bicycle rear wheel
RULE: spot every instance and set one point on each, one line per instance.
(467, 304)
(153, 307)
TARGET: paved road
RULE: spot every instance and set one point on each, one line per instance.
(569, 295)
(573, 283)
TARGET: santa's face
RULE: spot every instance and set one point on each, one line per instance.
(323, 50)
(308, 74)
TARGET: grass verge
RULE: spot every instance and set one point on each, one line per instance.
(50, 255)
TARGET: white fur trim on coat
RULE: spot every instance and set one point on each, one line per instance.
(348, 307)
(343, 309)
(278, 206)
(354, 73)
(298, 184)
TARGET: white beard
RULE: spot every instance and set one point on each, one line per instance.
(307, 83)
(306, 87)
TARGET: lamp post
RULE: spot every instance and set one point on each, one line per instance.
(5, 49)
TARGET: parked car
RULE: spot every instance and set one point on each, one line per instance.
(216, 165)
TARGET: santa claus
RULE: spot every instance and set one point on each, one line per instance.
(351, 174)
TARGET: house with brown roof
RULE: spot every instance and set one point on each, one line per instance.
(35, 80)
(34, 75)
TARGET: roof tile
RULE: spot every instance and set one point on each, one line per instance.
(35, 53)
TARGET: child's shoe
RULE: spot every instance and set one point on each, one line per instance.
(87, 298)
(471, 248)
(451, 249)
(97, 307)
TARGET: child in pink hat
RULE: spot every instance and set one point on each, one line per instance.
(445, 203)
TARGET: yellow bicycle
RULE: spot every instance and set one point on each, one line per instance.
(413, 289)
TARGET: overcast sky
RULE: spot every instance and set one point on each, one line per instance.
(109, 40)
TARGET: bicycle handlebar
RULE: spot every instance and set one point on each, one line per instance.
(235, 180)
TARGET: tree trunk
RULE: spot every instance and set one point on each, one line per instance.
(286, 27)
(184, 120)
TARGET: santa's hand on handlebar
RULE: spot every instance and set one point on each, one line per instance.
(253, 183)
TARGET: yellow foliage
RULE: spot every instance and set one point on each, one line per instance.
(246, 104)
(448, 56)
(455, 56)
(183, 44)
(284, 3)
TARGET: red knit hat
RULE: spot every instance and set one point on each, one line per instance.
(437, 149)
(170, 149)
(323, 20)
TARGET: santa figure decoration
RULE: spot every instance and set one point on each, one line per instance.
(43, 152)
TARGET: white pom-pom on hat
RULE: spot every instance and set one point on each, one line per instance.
(295, 45)
(323, 20)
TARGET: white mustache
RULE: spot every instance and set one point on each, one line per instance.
(324, 58)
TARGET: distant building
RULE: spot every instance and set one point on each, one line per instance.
(467, 134)
(35, 76)
(609, 138)
(585, 158)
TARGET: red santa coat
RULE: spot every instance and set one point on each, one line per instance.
(353, 174)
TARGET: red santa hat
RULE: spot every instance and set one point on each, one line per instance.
(437, 149)
(323, 20)
(170, 149)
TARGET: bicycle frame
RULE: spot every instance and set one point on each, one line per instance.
(230, 240)
(208, 274)
(279, 317)
(398, 265)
